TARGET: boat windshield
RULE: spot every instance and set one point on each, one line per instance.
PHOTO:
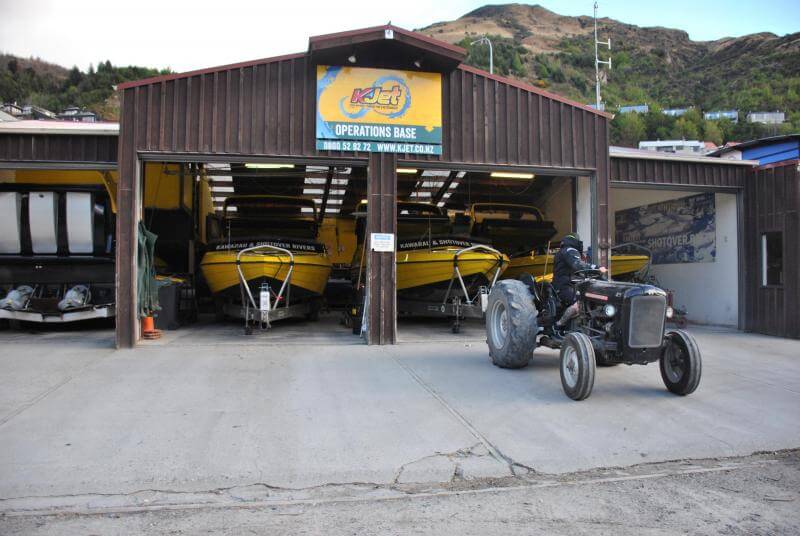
(270, 216)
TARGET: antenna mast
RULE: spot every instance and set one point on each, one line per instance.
(598, 61)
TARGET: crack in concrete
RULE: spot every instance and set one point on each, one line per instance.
(495, 452)
(271, 496)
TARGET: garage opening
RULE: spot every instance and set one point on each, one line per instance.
(459, 231)
(235, 239)
(692, 238)
(248, 248)
(57, 247)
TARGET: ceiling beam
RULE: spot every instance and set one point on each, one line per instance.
(324, 204)
(443, 190)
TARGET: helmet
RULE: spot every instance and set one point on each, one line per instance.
(572, 240)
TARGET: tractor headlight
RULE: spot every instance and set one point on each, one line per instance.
(609, 310)
(670, 312)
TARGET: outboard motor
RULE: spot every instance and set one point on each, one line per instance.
(77, 296)
(17, 299)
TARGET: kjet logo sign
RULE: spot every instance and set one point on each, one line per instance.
(378, 110)
(380, 100)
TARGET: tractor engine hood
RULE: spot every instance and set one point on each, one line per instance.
(616, 292)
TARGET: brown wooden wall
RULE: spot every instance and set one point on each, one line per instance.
(636, 171)
(269, 109)
(72, 148)
(772, 203)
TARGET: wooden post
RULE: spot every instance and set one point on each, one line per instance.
(381, 218)
(128, 188)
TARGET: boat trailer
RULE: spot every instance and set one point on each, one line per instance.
(270, 306)
(456, 306)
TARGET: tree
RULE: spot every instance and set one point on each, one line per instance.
(685, 129)
(712, 132)
(628, 129)
(657, 124)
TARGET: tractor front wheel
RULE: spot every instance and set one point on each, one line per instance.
(577, 366)
(681, 364)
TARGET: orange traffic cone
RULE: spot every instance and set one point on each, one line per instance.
(149, 330)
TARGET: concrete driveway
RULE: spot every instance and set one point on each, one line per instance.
(200, 413)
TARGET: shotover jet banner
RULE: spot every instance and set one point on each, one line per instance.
(378, 110)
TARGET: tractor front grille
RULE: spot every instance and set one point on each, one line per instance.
(647, 315)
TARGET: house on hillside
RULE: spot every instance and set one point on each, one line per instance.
(731, 115)
(27, 111)
(767, 118)
(637, 108)
(73, 113)
(675, 112)
(675, 146)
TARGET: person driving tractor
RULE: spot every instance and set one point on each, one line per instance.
(568, 261)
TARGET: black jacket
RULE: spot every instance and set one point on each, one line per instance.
(567, 261)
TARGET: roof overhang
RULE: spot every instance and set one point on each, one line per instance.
(638, 154)
(59, 127)
(385, 47)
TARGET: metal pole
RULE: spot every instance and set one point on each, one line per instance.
(488, 41)
(598, 61)
(491, 55)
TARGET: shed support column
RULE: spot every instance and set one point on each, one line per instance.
(127, 228)
(381, 218)
(128, 195)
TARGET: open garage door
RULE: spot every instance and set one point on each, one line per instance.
(693, 239)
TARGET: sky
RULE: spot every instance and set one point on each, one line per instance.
(185, 35)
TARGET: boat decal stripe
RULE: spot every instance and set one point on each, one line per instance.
(292, 245)
(279, 263)
(405, 245)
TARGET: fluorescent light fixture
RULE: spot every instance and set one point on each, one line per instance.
(269, 166)
(511, 175)
(409, 171)
(363, 200)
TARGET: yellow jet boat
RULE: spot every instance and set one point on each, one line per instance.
(269, 240)
(521, 231)
(542, 265)
(433, 265)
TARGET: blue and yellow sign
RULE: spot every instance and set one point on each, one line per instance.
(378, 110)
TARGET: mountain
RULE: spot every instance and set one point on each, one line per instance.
(657, 66)
(34, 81)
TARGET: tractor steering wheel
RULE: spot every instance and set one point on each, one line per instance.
(589, 273)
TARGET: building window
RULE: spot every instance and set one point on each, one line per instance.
(772, 259)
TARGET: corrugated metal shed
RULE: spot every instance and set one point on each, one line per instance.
(772, 204)
(266, 108)
(635, 167)
(51, 143)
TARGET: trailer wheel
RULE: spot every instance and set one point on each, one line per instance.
(577, 366)
(681, 365)
(511, 326)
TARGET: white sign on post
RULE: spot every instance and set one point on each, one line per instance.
(382, 241)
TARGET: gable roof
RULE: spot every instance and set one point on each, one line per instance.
(447, 56)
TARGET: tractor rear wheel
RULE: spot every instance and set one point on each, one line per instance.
(511, 326)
